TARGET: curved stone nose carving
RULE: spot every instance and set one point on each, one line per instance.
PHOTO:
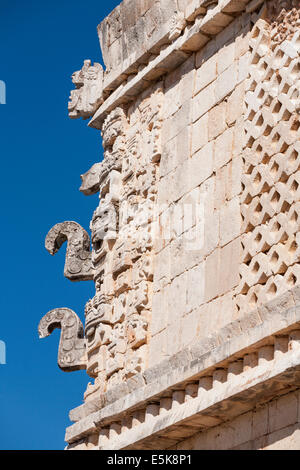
(78, 264)
(72, 349)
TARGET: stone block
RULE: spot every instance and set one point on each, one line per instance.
(223, 150)
(225, 57)
(226, 82)
(283, 412)
(177, 298)
(200, 165)
(283, 439)
(173, 337)
(230, 221)
(217, 121)
(176, 123)
(206, 74)
(203, 102)
(159, 319)
(175, 151)
(223, 269)
(235, 104)
(182, 80)
(157, 348)
(260, 422)
(199, 134)
(242, 429)
(243, 67)
(195, 287)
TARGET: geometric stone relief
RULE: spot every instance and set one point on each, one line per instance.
(271, 181)
(72, 347)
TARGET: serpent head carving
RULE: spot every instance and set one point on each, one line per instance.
(72, 349)
(78, 264)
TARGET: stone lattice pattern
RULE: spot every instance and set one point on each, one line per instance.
(271, 180)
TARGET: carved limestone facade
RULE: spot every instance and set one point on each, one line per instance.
(192, 339)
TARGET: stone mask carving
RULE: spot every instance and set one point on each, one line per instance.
(104, 227)
(87, 96)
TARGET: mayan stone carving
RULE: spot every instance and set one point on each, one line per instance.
(87, 96)
(191, 339)
(78, 266)
(72, 347)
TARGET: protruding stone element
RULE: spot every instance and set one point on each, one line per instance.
(72, 349)
(177, 398)
(87, 96)
(177, 24)
(152, 410)
(205, 384)
(191, 391)
(165, 404)
(113, 128)
(219, 377)
(249, 361)
(78, 265)
(294, 340)
(234, 368)
(265, 353)
(281, 345)
(91, 179)
(103, 437)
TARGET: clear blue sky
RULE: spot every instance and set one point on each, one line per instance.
(43, 154)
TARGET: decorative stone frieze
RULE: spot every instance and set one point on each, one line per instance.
(194, 324)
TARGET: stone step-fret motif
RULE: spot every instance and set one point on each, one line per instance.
(271, 179)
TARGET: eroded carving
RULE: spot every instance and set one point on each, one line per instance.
(120, 261)
(78, 264)
(87, 96)
(136, 331)
(113, 143)
(72, 347)
(284, 17)
(91, 179)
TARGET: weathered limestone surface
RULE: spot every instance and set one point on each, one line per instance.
(194, 244)
(71, 353)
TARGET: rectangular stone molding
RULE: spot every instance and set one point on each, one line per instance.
(194, 329)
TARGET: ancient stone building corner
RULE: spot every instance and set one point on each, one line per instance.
(192, 339)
